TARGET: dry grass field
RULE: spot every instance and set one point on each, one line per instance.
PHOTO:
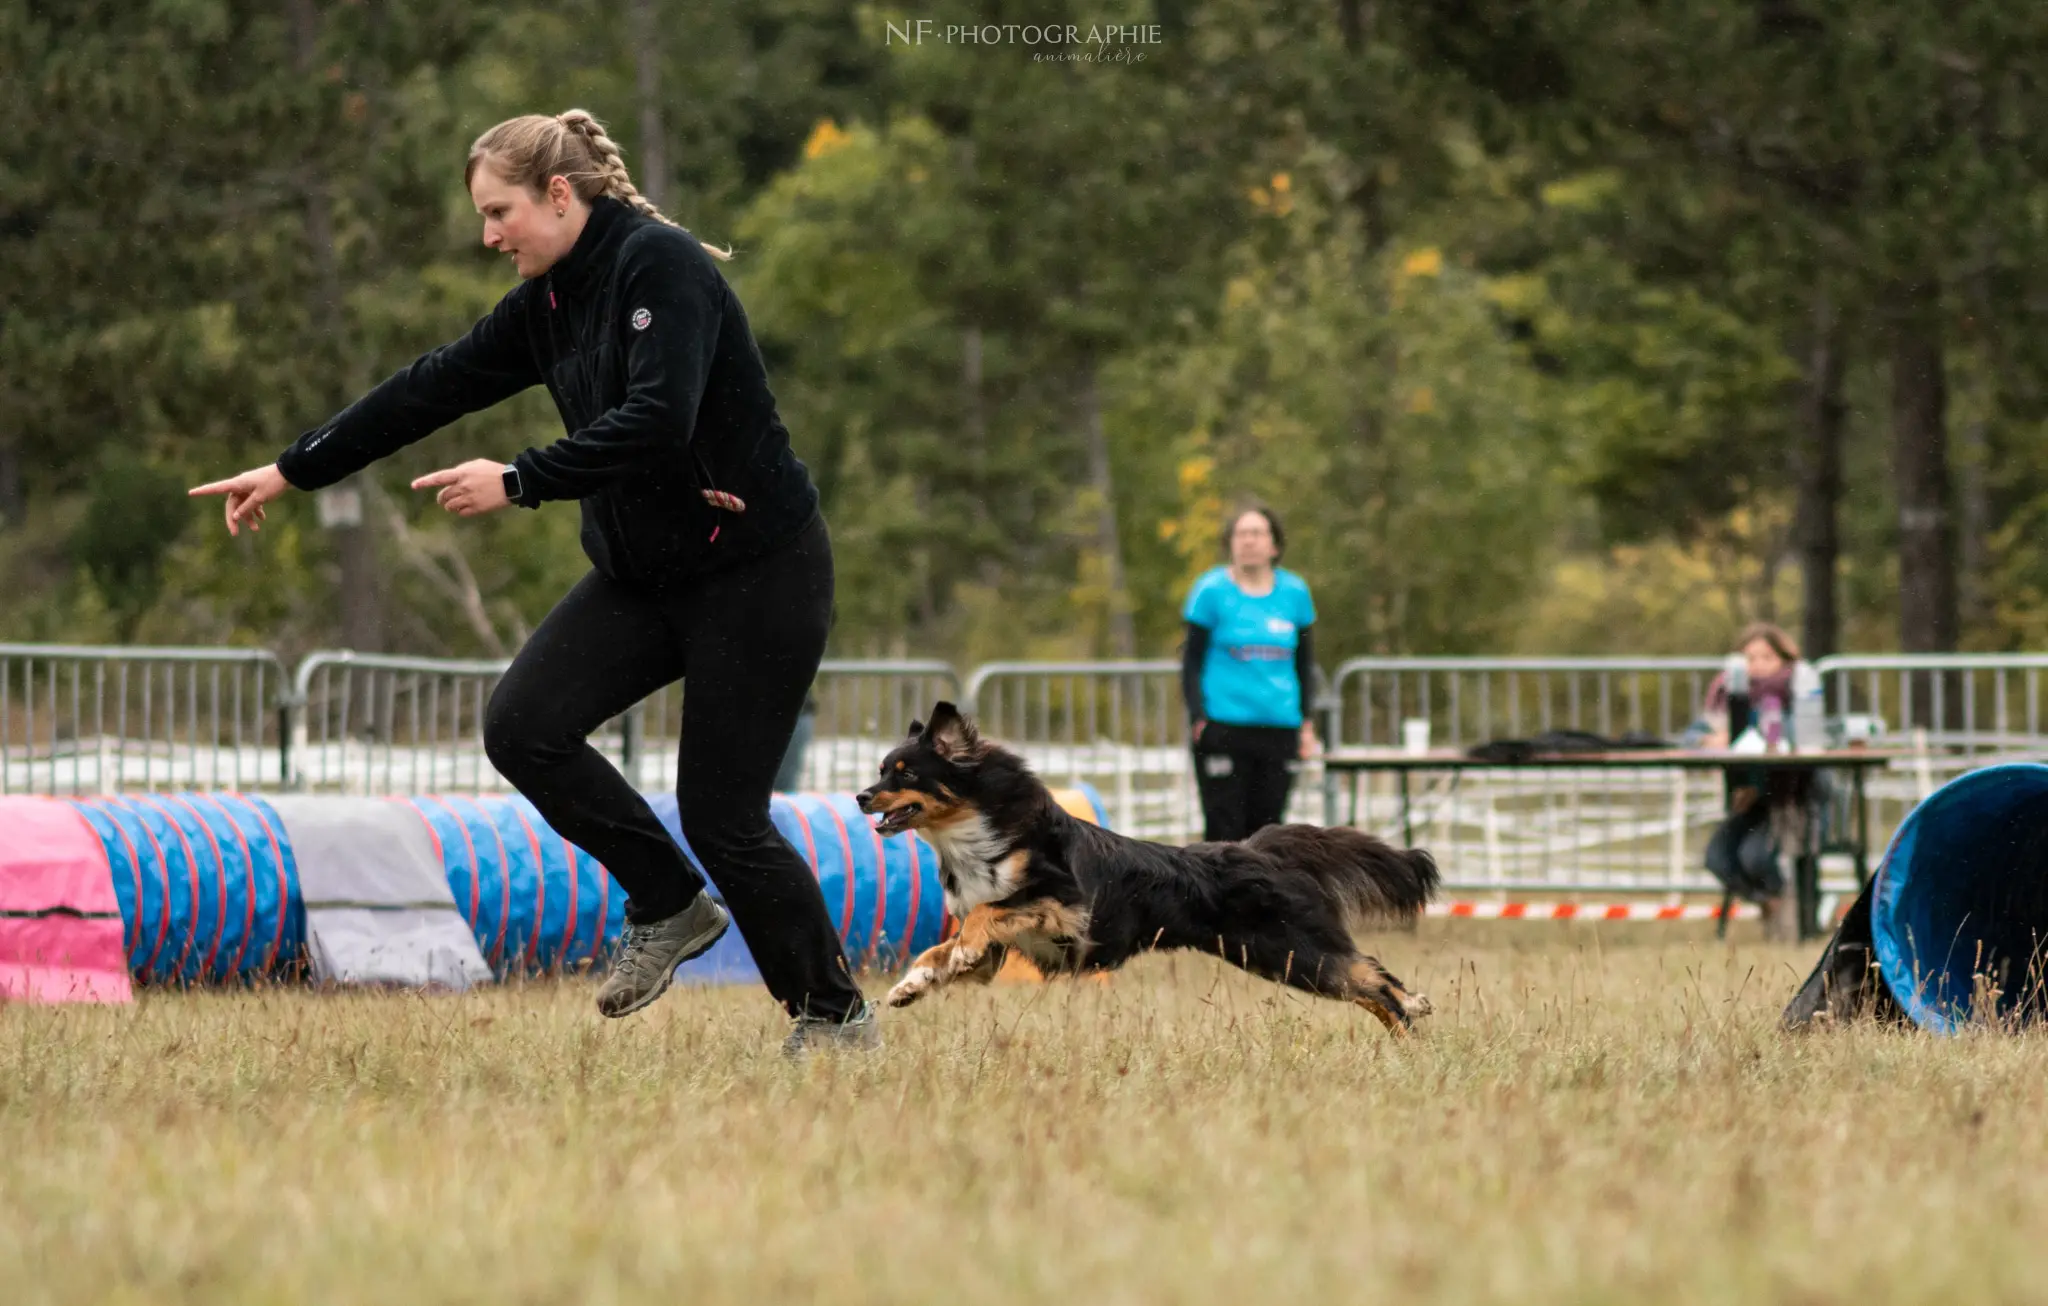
(1598, 1113)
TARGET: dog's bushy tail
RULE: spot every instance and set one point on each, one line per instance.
(1372, 881)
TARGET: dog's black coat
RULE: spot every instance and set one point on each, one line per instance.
(1279, 904)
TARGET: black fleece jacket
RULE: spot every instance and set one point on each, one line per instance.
(655, 372)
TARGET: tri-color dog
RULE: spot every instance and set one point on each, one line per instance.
(1020, 873)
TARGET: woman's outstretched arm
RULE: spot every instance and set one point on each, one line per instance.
(493, 362)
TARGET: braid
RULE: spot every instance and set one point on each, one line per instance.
(610, 164)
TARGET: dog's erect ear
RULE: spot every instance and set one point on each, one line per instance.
(950, 734)
(916, 728)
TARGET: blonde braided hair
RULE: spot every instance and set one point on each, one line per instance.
(527, 151)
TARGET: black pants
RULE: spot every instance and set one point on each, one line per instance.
(1244, 774)
(746, 641)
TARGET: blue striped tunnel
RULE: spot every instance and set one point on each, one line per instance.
(209, 890)
(538, 903)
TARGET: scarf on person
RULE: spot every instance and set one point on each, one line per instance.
(1775, 688)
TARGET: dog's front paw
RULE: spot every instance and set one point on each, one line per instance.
(1418, 1005)
(911, 987)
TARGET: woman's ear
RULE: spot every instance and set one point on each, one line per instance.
(560, 193)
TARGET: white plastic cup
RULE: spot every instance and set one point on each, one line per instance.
(1415, 736)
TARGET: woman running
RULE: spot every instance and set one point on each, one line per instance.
(710, 562)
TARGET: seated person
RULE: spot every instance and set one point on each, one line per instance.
(1794, 798)
(1772, 654)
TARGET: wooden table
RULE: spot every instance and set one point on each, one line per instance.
(1856, 761)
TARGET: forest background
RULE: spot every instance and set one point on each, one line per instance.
(1561, 326)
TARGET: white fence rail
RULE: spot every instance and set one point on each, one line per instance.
(1966, 703)
(1471, 700)
(374, 724)
(1120, 726)
(81, 719)
(77, 719)
(368, 723)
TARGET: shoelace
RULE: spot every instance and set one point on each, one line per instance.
(635, 943)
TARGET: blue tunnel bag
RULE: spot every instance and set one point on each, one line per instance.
(1950, 929)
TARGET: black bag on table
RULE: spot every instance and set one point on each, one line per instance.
(1561, 743)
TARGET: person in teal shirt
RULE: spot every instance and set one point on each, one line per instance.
(1248, 674)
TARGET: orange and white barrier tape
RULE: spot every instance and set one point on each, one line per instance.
(1588, 911)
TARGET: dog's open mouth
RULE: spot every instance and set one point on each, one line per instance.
(898, 818)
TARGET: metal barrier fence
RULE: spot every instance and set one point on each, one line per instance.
(80, 719)
(861, 709)
(1120, 726)
(1471, 700)
(1967, 703)
(1568, 832)
(374, 724)
(77, 719)
(864, 710)
(365, 723)
(1565, 831)
(1594, 831)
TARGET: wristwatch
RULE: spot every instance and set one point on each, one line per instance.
(513, 489)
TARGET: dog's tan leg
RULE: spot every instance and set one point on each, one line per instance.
(978, 942)
(1381, 994)
(933, 967)
(1394, 1027)
(1047, 917)
(954, 959)
(996, 959)
(1019, 969)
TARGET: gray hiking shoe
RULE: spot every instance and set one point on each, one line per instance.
(860, 1032)
(649, 954)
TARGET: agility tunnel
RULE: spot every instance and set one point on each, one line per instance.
(536, 902)
(1951, 927)
(447, 891)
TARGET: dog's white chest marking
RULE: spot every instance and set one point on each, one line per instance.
(974, 865)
